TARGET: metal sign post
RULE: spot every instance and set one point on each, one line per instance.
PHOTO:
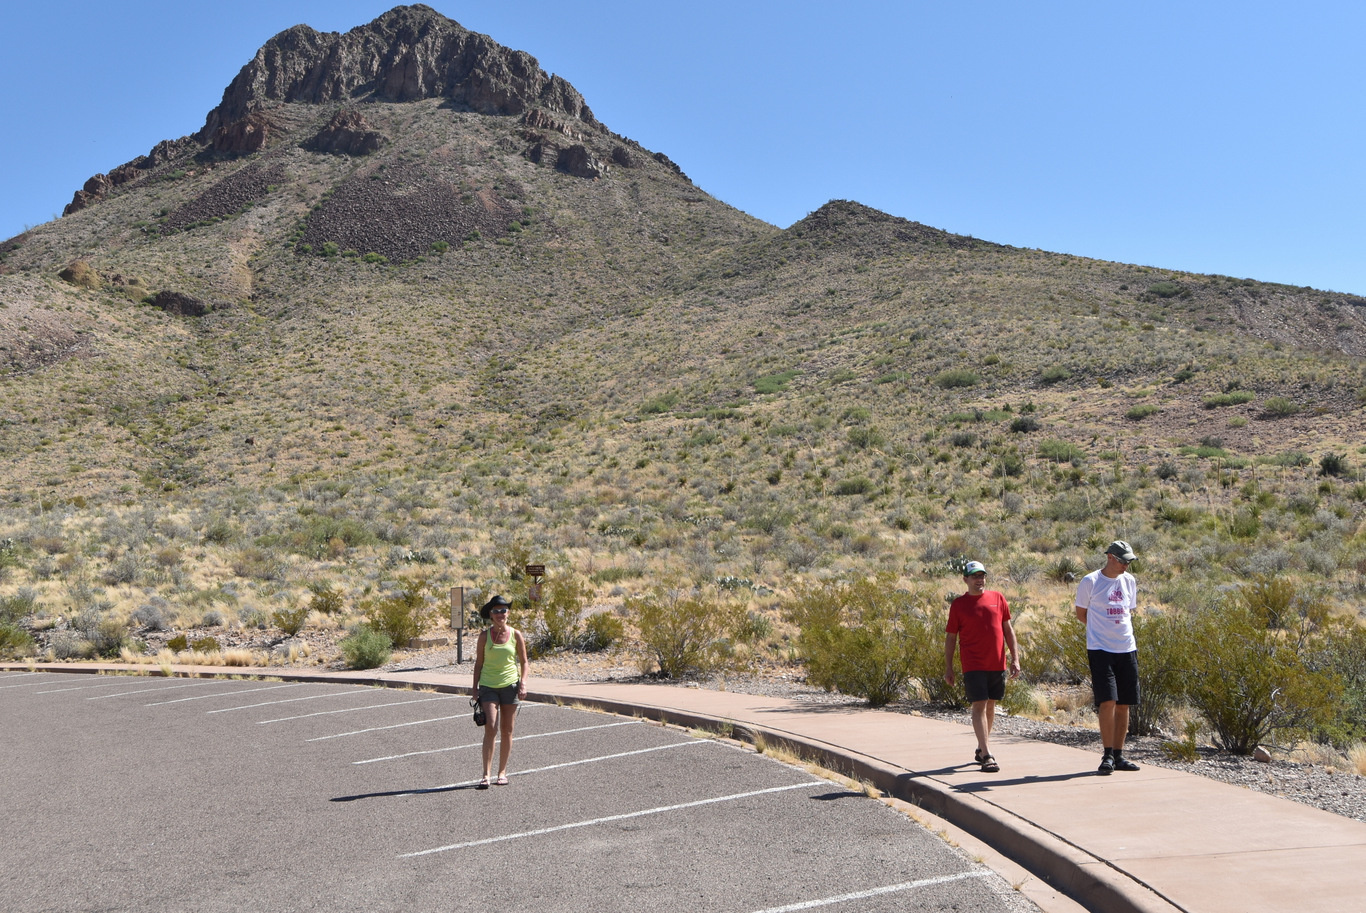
(535, 572)
(458, 621)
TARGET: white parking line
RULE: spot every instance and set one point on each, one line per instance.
(541, 770)
(24, 684)
(622, 817)
(291, 700)
(874, 892)
(409, 754)
(195, 684)
(304, 716)
(200, 697)
(123, 680)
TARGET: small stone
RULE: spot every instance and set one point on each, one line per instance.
(1262, 755)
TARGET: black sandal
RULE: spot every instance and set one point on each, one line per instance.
(989, 765)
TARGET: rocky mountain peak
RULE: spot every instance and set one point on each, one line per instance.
(409, 53)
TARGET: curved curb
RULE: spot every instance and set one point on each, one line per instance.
(1092, 881)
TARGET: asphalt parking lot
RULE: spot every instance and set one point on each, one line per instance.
(131, 793)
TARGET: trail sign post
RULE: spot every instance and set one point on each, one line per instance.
(458, 621)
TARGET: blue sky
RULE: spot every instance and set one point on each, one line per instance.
(1215, 137)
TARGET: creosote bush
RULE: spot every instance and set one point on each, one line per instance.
(557, 622)
(683, 630)
(290, 619)
(867, 638)
(365, 648)
(402, 616)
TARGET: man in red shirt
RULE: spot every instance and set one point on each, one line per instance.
(979, 626)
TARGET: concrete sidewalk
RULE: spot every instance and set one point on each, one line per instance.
(1155, 840)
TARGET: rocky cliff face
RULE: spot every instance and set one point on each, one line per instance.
(409, 53)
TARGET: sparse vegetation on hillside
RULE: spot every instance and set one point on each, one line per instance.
(634, 384)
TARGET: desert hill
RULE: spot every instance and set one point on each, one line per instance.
(404, 304)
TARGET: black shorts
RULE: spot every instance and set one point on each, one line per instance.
(1114, 676)
(500, 696)
(984, 686)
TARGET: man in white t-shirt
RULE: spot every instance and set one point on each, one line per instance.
(1105, 603)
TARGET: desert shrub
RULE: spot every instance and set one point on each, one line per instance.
(754, 628)
(127, 568)
(320, 535)
(602, 631)
(1053, 649)
(866, 437)
(290, 619)
(1334, 464)
(1054, 374)
(1024, 424)
(326, 599)
(178, 643)
(205, 645)
(1279, 407)
(557, 623)
(1060, 451)
(105, 634)
(258, 563)
(855, 485)
(1342, 652)
(513, 555)
(682, 631)
(1065, 570)
(1235, 398)
(402, 616)
(15, 642)
(15, 607)
(365, 648)
(868, 639)
(773, 383)
(151, 616)
(1165, 660)
(1141, 411)
(954, 378)
(71, 645)
(1021, 698)
(1253, 682)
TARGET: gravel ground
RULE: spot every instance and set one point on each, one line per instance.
(1332, 790)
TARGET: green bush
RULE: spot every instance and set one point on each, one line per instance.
(773, 383)
(557, 623)
(1253, 682)
(602, 631)
(290, 619)
(1053, 649)
(1061, 451)
(682, 631)
(1165, 658)
(15, 642)
(1141, 411)
(327, 599)
(868, 639)
(954, 378)
(22, 603)
(1279, 407)
(1054, 374)
(1334, 464)
(206, 645)
(365, 648)
(178, 643)
(856, 485)
(1236, 398)
(403, 616)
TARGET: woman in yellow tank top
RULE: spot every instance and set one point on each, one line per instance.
(500, 681)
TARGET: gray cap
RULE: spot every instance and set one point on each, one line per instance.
(1121, 550)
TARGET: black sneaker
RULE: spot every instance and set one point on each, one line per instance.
(1125, 764)
(1107, 766)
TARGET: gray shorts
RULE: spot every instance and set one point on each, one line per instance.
(501, 696)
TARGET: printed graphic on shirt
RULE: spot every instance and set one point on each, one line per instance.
(1116, 609)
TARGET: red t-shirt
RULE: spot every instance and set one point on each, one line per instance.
(977, 621)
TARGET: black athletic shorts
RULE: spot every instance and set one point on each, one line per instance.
(984, 686)
(1114, 676)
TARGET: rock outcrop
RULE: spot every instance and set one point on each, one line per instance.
(409, 53)
(99, 186)
(347, 134)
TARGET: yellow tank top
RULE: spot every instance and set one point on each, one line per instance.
(500, 663)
